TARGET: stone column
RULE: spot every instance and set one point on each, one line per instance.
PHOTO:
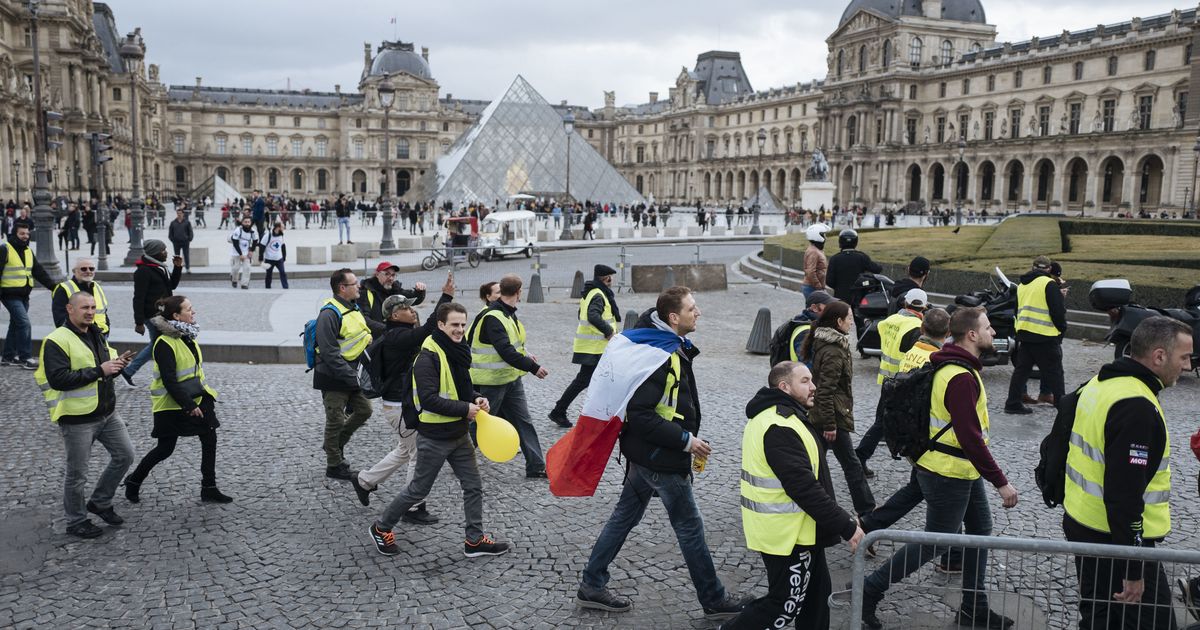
(1060, 176)
(999, 190)
(1092, 188)
(1129, 194)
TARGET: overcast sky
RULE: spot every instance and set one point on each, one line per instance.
(568, 50)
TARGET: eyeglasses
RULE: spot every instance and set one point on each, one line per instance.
(87, 268)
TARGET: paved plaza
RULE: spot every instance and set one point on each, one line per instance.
(293, 550)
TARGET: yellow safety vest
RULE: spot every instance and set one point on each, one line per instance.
(101, 301)
(18, 271)
(354, 336)
(917, 356)
(487, 367)
(891, 333)
(772, 522)
(667, 407)
(800, 328)
(446, 386)
(75, 402)
(1084, 489)
(1033, 313)
(588, 338)
(187, 368)
(941, 463)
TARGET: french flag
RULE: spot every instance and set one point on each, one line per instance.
(576, 462)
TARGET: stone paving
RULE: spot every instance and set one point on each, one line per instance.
(293, 551)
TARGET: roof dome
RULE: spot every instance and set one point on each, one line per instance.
(957, 10)
(397, 57)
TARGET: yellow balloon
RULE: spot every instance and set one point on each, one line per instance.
(498, 439)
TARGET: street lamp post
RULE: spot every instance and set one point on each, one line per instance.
(387, 95)
(133, 51)
(962, 152)
(762, 142)
(43, 215)
(1195, 164)
(17, 174)
(569, 127)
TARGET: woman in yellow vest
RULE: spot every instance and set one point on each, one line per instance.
(181, 399)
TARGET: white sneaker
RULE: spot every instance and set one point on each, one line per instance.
(29, 364)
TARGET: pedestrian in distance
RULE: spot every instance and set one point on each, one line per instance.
(18, 269)
(181, 399)
(83, 278)
(242, 242)
(179, 232)
(341, 337)
(1041, 324)
(444, 401)
(151, 283)
(276, 254)
(844, 269)
(827, 346)
(816, 265)
(598, 317)
(499, 358)
(789, 513)
(75, 373)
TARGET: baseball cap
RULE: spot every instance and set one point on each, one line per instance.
(916, 298)
(1041, 262)
(385, 265)
(919, 266)
(819, 297)
(394, 302)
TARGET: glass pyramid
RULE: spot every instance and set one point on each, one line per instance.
(519, 146)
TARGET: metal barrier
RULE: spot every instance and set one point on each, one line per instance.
(1035, 582)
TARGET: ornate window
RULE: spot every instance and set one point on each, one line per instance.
(1151, 57)
(1112, 66)
(402, 149)
(915, 49)
(887, 56)
(222, 143)
(862, 59)
(1047, 75)
(272, 146)
(297, 146)
(1078, 70)
(947, 52)
(322, 147)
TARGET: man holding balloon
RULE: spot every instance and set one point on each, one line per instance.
(444, 401)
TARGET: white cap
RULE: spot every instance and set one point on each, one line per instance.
(816, 232)
(916, 298)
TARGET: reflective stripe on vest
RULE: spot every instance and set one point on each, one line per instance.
(487, 367)
(187, 367)
(771, 521)
(354, 335)
(446, 387)
(1033, 312)
(941, 463)
(588, 338)
(75, 402)
(1084, 489)
(891, 332)
(101, 320)
(801, 328)
(18, 270)
(668, 405)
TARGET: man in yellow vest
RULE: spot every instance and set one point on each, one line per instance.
(18, 269)
(76, 377)
(83, 278)
(951, 474)
(598, 318)
(1118, 478)
(499, 360)
(380, 287)
(342, 336)
(789, 514)
(1041, 322)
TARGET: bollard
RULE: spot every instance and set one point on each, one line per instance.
(669, 278)
(631, 317)
(577, 286)
(760, 334)
(535, 295)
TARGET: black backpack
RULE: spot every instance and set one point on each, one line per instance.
(1051, 470)
(780, 346)
(903, 409)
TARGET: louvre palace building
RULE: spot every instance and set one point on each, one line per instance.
(923, 104)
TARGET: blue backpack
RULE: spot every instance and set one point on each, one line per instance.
(310, 337)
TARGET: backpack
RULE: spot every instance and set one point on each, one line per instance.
(780, 346)
(904, 405)
(309, 335)
(1051, 470)
(370, 371)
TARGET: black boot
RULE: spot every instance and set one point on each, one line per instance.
(210, 494)
(132, 490)
(419, 516)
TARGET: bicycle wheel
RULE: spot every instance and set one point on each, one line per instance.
(429, 263)
(473, 259)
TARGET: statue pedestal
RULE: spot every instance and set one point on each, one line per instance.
(814, 195)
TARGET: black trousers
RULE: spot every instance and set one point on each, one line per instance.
(186, 248)
(798, 589)
(577, 385)
(1048, 358)
(166, 446)
(1099, 578)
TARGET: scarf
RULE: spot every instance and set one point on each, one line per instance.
(186, 330)
(665, 327)
(459, 356)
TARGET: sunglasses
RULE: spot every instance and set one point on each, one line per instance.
(87, 268)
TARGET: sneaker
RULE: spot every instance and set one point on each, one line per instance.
(419, 516)
(945, 565)
(86, 529)
(29, 364)
(727, 608)
(364, 495)
(536, 474)
(211, 494)
(485, 546)
(7, 361)
(1190, 595)
(602, 599)
(108, 515)
(385, 541)
(132, 491)
(1019, 410)
(983, 619)
(560, 418)
(341, 471)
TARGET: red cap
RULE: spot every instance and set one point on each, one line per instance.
(385, 265)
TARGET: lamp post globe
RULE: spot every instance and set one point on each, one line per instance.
(387, 95)
(762, 143)
(569, 127)
(958, 195)
(132, 51)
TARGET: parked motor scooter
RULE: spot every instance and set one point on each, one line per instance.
(1000, 303)
(872, 300)
(1115, 297)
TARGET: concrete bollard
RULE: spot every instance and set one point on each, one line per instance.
(760, 334)
(668, 279)
(535, 295)
(631, 317)
(577, 286)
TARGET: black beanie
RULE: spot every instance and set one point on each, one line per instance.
(600, 271)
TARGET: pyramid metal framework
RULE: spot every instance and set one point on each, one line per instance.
(519, 146)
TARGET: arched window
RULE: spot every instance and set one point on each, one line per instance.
(841, 57)
(862, 59)
(947, 52)
(976, 47)
(915, 50)
(887, 53)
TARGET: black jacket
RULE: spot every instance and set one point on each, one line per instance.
(332, 371)
(61, 377)
(397, 349)
(1058, 309)
(844, 268)
(490, 330)
(179, 422)
(788, 458)
(648, 439)
(427, 374)
(374, 312)
(595, 317)
(151, 283)
(902, 286)
(180, 231)
(39, 273)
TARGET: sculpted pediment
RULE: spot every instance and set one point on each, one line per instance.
(864, 20)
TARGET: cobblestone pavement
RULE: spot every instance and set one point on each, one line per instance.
(293, 551)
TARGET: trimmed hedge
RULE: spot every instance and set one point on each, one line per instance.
(1132, 227)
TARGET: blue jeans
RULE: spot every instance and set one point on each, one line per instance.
(78, 439)
(508, 401)
(949, 504)
(343, 222)
(18, 345)
(675, 490)
(144, 354)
